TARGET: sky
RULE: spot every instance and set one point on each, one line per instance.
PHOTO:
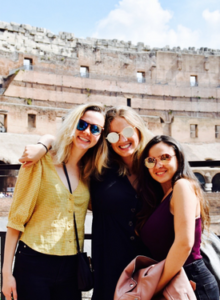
(157, 23)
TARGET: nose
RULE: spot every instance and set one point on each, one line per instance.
(87, 130)
(158, 163)
(122, 138)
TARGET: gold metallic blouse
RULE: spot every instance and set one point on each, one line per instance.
(42, 209)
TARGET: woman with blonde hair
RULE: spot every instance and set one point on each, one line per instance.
(115, 201)
(114, 198)
(41, 215)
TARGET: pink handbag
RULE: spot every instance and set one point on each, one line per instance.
(139, 280)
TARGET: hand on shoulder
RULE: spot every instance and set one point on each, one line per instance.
(32, 154)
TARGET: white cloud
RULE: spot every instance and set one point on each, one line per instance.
(211, 17)
(146, 21)
(212, 27)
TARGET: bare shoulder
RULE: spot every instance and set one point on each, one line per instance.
(183, 184)
(183, 189)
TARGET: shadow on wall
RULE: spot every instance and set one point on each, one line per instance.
(201, 179)
(216, 183)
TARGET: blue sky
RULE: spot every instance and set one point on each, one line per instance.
(79, 16)
(157, 23)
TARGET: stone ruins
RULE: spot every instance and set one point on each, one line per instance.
(176, 91)
(40, 41)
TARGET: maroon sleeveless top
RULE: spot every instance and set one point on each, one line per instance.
(158, 233)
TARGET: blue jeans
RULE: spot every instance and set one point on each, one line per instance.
(206, 285)
(45, 277)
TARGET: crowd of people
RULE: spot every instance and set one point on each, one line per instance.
(6, 195)
(144, 198)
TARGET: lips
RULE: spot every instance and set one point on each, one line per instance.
(125, 146)
(83, 139)
(160, 173)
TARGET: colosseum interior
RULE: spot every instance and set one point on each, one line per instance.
(176, 91)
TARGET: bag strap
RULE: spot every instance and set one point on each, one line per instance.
(74, 218)
(76, 232)
(67, 177)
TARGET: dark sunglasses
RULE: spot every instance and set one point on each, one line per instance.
(150, 162)
(94, 129)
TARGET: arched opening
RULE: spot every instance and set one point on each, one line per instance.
(200, 179)
(216, 183)
(7, 180)
(2, 177)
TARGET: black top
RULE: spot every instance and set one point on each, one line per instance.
(114, 243)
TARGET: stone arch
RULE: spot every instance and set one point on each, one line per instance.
(216, 183)
(2, 179)
(3, 161)
(7, 177)
(200, 179)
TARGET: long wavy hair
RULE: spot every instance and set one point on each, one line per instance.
(135, 120)
(151, 191)
(95, 158)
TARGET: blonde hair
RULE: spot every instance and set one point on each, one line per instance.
(135, 120)
(95, 158)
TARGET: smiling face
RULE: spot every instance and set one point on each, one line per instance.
(85, 139)
(163, 173)
(125, 147)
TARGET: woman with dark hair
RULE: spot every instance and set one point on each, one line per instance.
(173, 215)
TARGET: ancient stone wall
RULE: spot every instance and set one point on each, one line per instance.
(35, 98)
(25, 38)
(214, 211)
(112, 57)
(165, 98)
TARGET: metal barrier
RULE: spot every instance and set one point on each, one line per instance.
(2, 237)
(200, 163)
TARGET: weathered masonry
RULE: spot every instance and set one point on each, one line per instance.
(177, 91)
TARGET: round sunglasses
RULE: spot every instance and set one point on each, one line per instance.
(150, 162)
(113, 137)
(94, 129)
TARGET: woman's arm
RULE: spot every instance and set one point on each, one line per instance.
(184, 206)
(24, 201)
(33, 153)
(9, 284)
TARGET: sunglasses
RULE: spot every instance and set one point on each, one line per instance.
(113, 137)
(94, 129)
(151, 162)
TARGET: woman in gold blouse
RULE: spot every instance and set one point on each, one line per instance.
(41, 215)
